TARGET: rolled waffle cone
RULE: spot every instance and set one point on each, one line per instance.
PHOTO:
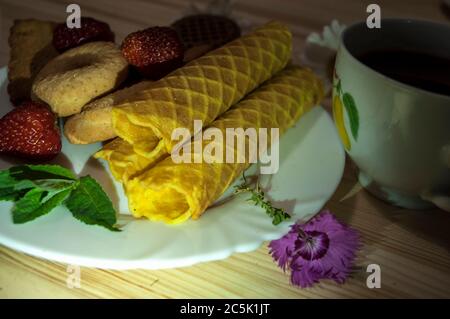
(173, 193)
(201, 90)
(94, 123)
(124, 162)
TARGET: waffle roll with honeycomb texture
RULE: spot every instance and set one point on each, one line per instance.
(173, 191)
(202, 90)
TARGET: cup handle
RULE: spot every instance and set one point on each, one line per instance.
(439, 199)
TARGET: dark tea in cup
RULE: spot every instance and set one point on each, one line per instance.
(419, 69)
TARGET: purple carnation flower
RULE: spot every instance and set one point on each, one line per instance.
(323, 248)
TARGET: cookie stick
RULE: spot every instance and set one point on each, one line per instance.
(201, 90)
(94, 123)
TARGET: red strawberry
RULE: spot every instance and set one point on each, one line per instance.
(91, 30)
(30, 131)
(155, 51)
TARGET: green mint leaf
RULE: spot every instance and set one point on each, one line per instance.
(23, 176)
(33, 172)
(8, 194)
(10, 182)
(37, 189)
(54, 186)
(90, 204)
(27, 204)
(58, 172)
(6, 180)
(35, 203)
(16, 181)
(352, 111)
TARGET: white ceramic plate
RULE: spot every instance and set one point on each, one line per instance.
(311, 166)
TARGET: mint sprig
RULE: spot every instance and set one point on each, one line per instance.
(90, 204)
(38, 189)
(32, 205)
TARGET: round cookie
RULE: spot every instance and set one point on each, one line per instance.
(206, 29)
(79, 75)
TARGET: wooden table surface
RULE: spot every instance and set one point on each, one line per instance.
(411, 247)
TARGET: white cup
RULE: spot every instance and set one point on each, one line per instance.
(398, 135)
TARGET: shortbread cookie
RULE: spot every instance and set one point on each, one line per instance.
(31, 48)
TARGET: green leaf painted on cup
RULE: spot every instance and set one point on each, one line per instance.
(352, 112)
(339, 87)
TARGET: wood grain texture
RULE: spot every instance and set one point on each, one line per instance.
(411, 247)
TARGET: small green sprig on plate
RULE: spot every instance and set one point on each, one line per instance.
(37, 189)
(258, 198)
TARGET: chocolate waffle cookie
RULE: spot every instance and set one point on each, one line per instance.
(206, 29)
